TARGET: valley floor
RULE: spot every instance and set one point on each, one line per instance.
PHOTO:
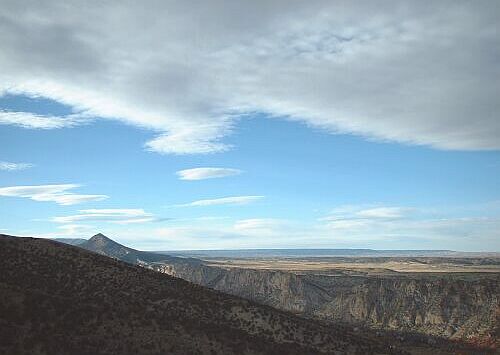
(364, 265)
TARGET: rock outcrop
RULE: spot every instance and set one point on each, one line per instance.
(452, 306)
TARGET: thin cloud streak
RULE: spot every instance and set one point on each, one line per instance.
(231, 200)
(383, 212)
(32, 121)
(376, 233)
(118, 216)
(50, 193)
(8, 166)
(206, 173)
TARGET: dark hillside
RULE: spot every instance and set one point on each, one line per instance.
(60, 299)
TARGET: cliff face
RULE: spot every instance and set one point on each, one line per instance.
(464, 307)
(455, 307)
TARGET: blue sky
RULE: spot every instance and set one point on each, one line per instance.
(303, 175)
(361, 130)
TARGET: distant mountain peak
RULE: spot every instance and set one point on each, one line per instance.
(101, 239)
(99, 236)
(103, 245)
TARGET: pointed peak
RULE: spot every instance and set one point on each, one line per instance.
(100, 237)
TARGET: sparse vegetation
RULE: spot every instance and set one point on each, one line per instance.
(60, 299)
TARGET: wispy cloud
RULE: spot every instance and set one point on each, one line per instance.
(265, 227)
(75, 230)
(33, 121)
(257, 223)
(384, 225)
(413, 231)
(206, 173)
(378, 233)
(7, 166)
(383, 212)
(232, 200)
(445, 233)
(200, 138)
(119, 216)
(353, 212)
(59, 194)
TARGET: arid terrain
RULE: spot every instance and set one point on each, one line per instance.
(383, 265)
(60, 299)
(447, 298)
(443, 310)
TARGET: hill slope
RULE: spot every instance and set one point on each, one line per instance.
(60, 299)
(449, 306)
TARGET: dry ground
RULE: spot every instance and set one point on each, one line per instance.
(384, 265)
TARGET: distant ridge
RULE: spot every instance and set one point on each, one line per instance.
(297, 253)
(103, 245)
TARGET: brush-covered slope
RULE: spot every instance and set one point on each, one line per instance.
(60, 299)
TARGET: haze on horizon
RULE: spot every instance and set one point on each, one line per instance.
(263, 124)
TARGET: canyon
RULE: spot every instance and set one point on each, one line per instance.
(460, 306)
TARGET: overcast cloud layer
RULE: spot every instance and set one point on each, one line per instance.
(420, 73)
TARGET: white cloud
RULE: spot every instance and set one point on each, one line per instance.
(257, 223)
(382, 227)
(418, 230)
(75, 230)
(265, 227)
(206, 173)
(366, 212)
(378, 233)
(434, 233)
(53, 193)
(33, 121)
(119, 216)
(187, 141)
(383, 212)
(232, 200)
(414, 73)
(7, 166)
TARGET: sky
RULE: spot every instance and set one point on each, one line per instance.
(171, 125)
